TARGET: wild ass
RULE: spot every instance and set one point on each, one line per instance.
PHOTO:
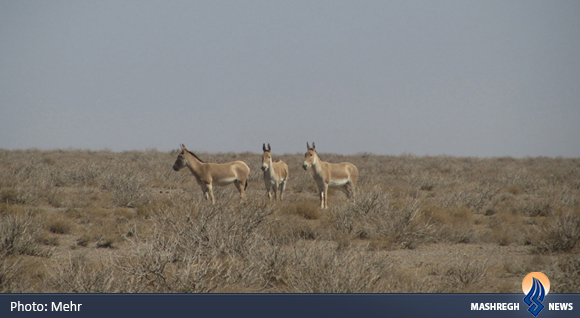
(209, 174)
(343, 175)
(275, 174)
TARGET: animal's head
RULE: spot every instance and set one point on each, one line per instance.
(310, 157)
(266, 157)
(180, 162)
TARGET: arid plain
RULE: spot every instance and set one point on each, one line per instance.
(107, 222)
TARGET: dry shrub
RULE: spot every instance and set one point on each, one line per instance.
(60, 224)
(412, 281)
(505, 228)
(78, 274)
(17, 196)
(320, 268)
(84, 240)
(78, 174)
(100, 226)
(359, 218)
(90, 215)
(309, 210)
(519, 269)
(465, 274)
(197, 248)
(204, 275)
(123, 214)
(475, 197)
(375, 216)
(567, 279)
(148, 261)
(221, 228)
(307, 186)
(425, 181)
(514, 189)
(106, 242)
(49, 240)
(289, 229)
(106, 236)
(453, 224)
(9, 271)
(54, 198)
(534, 207)
(559, 234)
(145, 210)
(157, 266)
(20, 234)
(128, 187)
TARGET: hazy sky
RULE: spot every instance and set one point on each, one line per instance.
(461, 78)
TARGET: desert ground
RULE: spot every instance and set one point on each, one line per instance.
(80, 221)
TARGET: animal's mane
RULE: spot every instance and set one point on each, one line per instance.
(316, 152)
(196, 157)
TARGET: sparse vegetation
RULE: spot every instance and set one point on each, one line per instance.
(86, 221)
(20, 233)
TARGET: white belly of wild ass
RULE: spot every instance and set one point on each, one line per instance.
(225, 181)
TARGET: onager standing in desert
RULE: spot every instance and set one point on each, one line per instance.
(209, 174)
(343, 175)
(275, 174)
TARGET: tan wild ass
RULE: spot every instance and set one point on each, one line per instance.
(209, 174)
(343, 175)
(275, 174)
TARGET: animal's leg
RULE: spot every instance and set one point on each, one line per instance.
(243, 188)
(268, 191)
(352, 190)
(276, 193)
(344, 189)
(240, 187)
(321, 198)
(205, 192)
(210, 191)
(325, 196)
(348, 190)
(282, 187)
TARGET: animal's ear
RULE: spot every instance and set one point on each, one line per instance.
(183, 147)
(264, 147)
(307, 146)
(313, 145)
(269, 149)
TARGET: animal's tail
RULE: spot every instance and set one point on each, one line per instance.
(246, 185)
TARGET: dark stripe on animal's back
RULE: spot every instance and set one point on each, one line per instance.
(196, 157)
